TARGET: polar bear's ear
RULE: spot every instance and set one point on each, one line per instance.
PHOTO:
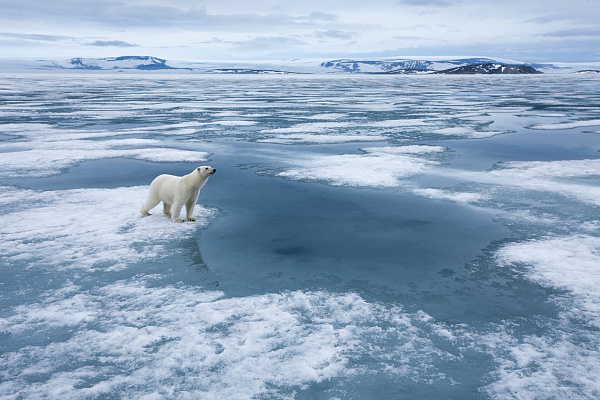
(198, 169)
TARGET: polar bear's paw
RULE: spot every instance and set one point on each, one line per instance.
(179, 221)
(191, 219)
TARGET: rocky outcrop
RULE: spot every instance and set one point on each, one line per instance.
(490, 68)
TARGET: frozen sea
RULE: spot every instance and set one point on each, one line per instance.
(364, 237)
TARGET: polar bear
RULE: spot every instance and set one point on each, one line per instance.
(175, 191)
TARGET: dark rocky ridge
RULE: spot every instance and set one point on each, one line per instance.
(491, 69)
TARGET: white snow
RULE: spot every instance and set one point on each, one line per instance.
(568, 125)
(552, 176)
(45, 150)
(295, 138)
(587, 168)
(376, 167)
(86, 228)
(459, 197)
(185, 342)
(327, 116)
(568, 263)
(314, 127)
(563, 363)
(49, 159)
(397, 123)
(146, 340)
(467, 132)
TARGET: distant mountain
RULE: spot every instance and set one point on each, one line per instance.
(247, 71)
(149, 63)
(405, 65)
(400, 66)
(144, 63)
(490, 68)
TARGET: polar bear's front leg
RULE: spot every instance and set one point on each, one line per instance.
(175, 211)
(189, 207)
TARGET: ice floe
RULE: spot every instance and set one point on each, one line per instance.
(563, 363)
(102, 335)
(467, 132)
(142, 341)
(50, 157)
(566, 263)
(552, 176)
(568, 125)
(296, 138)
(85, 229)
(314, 127)
(459, 197)
(587, 168)
(376, 167)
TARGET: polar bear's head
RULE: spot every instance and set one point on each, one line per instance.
(206, 171)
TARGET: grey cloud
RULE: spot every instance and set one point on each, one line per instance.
(430, 3)
(576, 32)
(317, 16)
(32, 38)
(269, 43)
(548, 19)
(335, 34)
(36, 37)
(111, 43)
(410, 38)
(125, 14)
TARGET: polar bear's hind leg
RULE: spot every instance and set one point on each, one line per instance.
(149, 205)
(167, 209)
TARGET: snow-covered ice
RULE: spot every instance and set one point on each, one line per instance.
(368, 237)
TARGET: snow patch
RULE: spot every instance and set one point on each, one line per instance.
(459, 197)
(183, 342)
(568, 125)
(296, 138)
(45, 158)
(86, 229)
(563, 363)
(566, 263)
(377, 167)
(467, 132)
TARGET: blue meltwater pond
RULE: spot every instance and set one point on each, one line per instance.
(388, 237)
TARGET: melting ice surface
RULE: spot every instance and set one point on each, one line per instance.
(364, 237)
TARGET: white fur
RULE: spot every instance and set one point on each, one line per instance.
(177, 191)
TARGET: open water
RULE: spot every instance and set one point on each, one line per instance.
(364, 237)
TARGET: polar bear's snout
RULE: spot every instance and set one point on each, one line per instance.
(213, 171)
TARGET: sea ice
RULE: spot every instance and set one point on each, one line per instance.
(565, 263)
(85, 228)
(563, 363)
(295, 138)
(376, 167)
(50, 157)
(568, 125)
(183, 341)
(459, 197)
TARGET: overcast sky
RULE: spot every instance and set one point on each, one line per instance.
(525, 30)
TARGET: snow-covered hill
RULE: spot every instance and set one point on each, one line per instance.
(407, 65)
(490, 69)
(399, 65)
(117, 63)
(473, 65)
